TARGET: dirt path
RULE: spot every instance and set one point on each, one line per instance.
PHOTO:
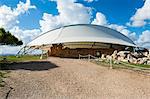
(74, 79)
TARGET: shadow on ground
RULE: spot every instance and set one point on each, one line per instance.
(32, 66)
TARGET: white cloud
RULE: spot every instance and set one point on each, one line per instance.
(90, 0)
(9, 21)
(141, 16)
(145, 36)
(69, 11)
(133, 37)
(120, 28)
(144, 39)
(123, 29)
(100, 19)
(23, 7)
(8, 16)
(25, 35)
(49, 22)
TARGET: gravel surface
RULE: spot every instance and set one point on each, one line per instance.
(58, 78)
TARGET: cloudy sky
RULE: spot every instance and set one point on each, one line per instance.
(28, 18)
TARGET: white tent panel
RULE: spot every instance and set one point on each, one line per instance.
(82, 33)
(46, 38)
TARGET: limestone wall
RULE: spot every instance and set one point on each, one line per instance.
(59, 51)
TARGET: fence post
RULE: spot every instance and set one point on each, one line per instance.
(47, 54)
(88, 57)
(111, 62)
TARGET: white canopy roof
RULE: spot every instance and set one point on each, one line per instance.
(81, 33)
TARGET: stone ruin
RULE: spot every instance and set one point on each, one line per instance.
(128, 56)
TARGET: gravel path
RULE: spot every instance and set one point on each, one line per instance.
(59, 78)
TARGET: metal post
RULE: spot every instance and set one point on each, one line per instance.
(24, 51)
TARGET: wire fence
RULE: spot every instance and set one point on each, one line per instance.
(88, 57)
(93, 58)
(112, 64)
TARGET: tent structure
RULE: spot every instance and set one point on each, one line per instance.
(80, 36)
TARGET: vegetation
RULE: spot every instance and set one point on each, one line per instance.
(122, 65)
(6, 38)
(3, 74)
(5, 60)
(22, 58)
(136, 65)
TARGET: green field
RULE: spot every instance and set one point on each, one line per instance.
(10, 59)
(22, 58)
(140, 65)
(123, 65)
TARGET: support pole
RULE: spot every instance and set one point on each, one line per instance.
(24, 51)
(41, 57)
(47, 54)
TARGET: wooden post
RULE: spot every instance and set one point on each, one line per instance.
(111, 62)
(79, 56)
(88, 57)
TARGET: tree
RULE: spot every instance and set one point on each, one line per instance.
(6, 38)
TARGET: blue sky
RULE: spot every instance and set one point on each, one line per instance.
(116, 11)
(32, 17)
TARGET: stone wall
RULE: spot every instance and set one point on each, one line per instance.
(59, 51)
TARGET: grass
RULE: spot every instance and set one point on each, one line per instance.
(141, 65)
(10, 59)
(3, 74)
(123, 65)
(20, 59)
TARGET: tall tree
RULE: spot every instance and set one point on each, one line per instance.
(6, 38)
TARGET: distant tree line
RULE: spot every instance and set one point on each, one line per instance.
(6, 38)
